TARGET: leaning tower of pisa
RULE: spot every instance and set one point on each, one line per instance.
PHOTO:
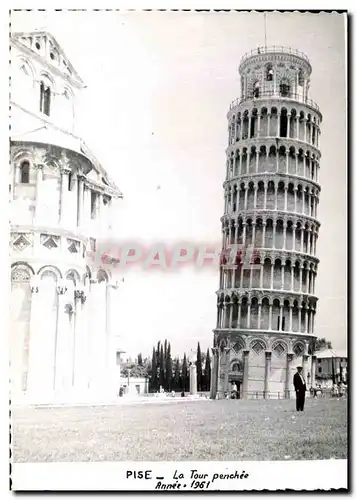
(266, 299)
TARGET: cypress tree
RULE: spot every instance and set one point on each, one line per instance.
(177, 377)
(199, 368)
(153, 378)
(168, 368)
(207, 375)
(162, 368)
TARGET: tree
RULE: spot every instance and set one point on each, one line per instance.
(319, 345)
(162, 368)
(199, 367)
(168, 367)
(177, 376)
(140, 359)
(153, 380)
(207, 372)
(184, 373)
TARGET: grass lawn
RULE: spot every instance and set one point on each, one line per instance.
(203, 430)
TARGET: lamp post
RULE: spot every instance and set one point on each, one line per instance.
(128, 380)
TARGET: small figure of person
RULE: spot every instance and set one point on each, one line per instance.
(183, 394)
(234, 390)
(300, 389)
(121, 392)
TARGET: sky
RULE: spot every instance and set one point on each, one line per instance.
(159, 85)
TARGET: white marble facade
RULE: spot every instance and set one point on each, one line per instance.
(62, 344)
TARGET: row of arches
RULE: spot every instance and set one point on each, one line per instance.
(272, 159)
(259, 347)
(270, 195)
(288, 275)
(274, 122)
(276, 234)
(46, 311)
(278, 315)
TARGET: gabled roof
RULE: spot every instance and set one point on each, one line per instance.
(68, 68)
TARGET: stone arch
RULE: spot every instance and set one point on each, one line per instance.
(48, 269)
(239, 345)
(298, 348)
(257, 346)
(236, 365)
(279, 348)
(73, 275)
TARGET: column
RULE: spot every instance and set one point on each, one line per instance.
(81, 348)
(303, 201)
(249, 127)
(263, 236)
(62, 375)
(305, 320)
(270, 316)
(193, 379)
(224, 316)
(255, 197)
(80, 200)
(245, 373)
(302, 240)
(259, 314)
(290, 318)
(287, 163)
(257, 162)
(304, 164)
(289, 358)
(292, 278)
(285, 226)
(35, 372)
(267, 373)
(299, 316)
(240, 163)
(305, 366)
(274, 232)
(110, 355)
(239, 315)
(246, 198)
(253, 234)
(294, 236)
(281, 318)
(313, 370)
(261, 275)
(288, 127)
(272, 275)
(226, 371)
(265, 196)
(214, 367)
(39, 201)
(295, 199)
(282, 275)
(248, 314)
(258, 129)
(304, 122)
(268, 132)
(277, 157)
(244, 232)
(64, 188)
(230, 315)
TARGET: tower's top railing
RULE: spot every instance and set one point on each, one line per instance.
(274, 49)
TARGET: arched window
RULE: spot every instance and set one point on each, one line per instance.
(25, 172)
(269, 73)
(45, 99)
(284, 88)
(301, 78)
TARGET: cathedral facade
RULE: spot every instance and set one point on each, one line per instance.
(62, 344)
(266, 303)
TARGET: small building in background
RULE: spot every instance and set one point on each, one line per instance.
(331, 362)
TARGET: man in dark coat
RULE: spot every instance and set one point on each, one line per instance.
(300, 389)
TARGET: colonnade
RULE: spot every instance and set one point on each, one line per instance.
(271, 275)
(279, 234)
(274, 123)
(272, 160)
(260, 314)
